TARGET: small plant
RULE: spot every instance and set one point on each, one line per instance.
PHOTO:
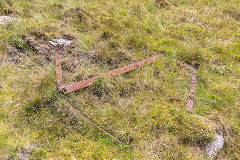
(19, 43)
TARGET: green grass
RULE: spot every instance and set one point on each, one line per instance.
(146, 108)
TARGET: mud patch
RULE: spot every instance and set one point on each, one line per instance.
(36, 44)
(14, 52)
(38, 35)
(234, 13)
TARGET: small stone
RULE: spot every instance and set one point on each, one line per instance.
(60, 41)
(215, 145)
(6, 19)
(52, 43)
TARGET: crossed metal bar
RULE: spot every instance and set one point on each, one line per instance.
(85, 83)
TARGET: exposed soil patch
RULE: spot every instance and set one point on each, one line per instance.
(78, 14)
(24, 153)
(36, 43)
(113, 62)
(234, 13)
(161, 3)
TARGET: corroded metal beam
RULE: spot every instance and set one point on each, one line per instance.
(190, 101)
(191, 96)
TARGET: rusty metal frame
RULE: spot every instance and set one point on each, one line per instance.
(85, 83)
(66, 89)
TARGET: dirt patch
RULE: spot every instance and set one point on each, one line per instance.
(234, 13)
(24, 153)
(38, 35)
(36, 43)
(77, 14)
(117, 58)
(161, 3)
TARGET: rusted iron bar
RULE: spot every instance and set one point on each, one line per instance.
(85, 83)
(190, 101)
(188, 66)
(79, 85)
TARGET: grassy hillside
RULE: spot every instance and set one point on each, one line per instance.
(146, 108)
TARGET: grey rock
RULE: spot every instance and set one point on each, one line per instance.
(60, 41)
(215, 145)
(7, 19)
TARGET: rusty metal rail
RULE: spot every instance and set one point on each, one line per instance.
(191, 97)
(190, 101)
